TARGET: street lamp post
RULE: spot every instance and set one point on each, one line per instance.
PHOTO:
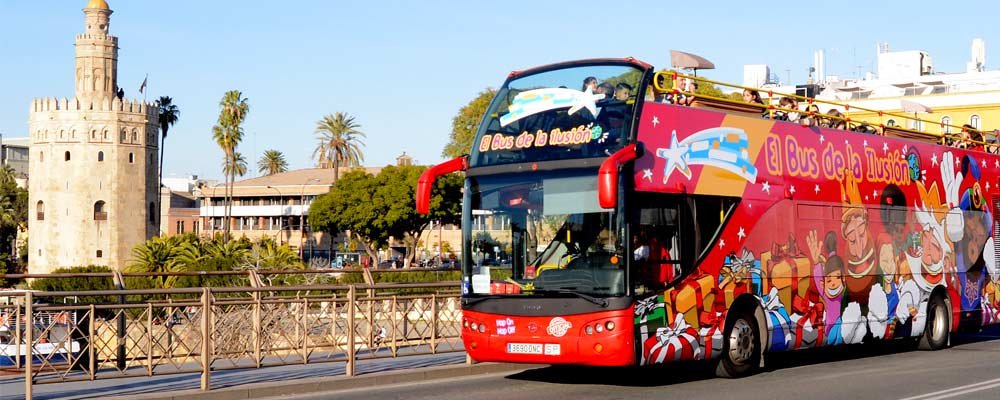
(302, 220)
(281, 214)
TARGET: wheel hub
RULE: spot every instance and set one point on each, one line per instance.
(741, 342)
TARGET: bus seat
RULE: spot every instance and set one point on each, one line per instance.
(753, 110)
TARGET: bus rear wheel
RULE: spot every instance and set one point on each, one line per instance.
(741, 347)
(938, 326)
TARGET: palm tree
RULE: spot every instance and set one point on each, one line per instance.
(272, 162)
(236, 167)
(228, 133)
(156, 255)
(168, 117)
(339, 142)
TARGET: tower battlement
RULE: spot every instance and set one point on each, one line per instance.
(133, 106)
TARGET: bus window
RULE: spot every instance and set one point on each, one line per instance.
(670, 233)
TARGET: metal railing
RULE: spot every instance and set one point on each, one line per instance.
(878, 124)
(172, 331)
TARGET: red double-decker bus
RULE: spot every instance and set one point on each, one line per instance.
(610, 220)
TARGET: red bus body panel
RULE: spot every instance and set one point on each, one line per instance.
(608, 348)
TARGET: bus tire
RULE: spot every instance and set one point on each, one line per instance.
(740, 347)
(938, 326)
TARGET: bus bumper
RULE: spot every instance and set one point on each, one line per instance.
(551, 339)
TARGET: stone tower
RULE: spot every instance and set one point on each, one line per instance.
(92, 168)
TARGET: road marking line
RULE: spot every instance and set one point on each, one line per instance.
(967, 391)
(951, 392)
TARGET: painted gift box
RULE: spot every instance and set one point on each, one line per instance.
(650, 315)
(808, 324)
(691, 298)
(739, 274)
(672, 343)
(710, 335)
(790, 275)
(779, 323)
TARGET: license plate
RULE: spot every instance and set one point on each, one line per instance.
(524, 348)
(553, 349)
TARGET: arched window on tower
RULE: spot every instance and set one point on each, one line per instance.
(100, 213)
(41, 156)
(123, 136)
(975, 121)
(40, 211)
(93, 134)
(131, 158)
(135, 136)
(946, 124)
(67, 156)
(100, 156)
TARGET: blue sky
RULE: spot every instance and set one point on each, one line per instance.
(403, 69)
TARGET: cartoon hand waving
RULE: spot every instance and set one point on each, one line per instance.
(954, 224)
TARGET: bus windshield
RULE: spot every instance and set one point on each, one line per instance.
(541, 233)
(575, 112)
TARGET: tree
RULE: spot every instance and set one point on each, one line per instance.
(375, 208)
(272, 162)
(465, 124)
(168, 115)
(156, 255)
(228, 133)
(338, 142)
(237, 166)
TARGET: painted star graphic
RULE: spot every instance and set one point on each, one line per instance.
(656, 121)
(846, 142)
(647, 174)
(722, 243)
(934, 159)
(984, 163)
(958, 160)
(996, 163)
(676, 157)
(905, 148)
(874, 193)
(987, 186)
(741, 234)
(885, 147)
(791, 189)
(865, 143)
(766, 187)
(822, 139)
(816, 189)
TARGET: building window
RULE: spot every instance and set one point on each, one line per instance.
(100, 156)
(180, 227)
(41, 156)
(135, 136)
(890, 122)
(67, 156)
(123, 134)
(975, 121)
(152, 212)
(40, 211)
(131, 158)
(100, 213)
(194, 226)
(946, 124)
(100, 254)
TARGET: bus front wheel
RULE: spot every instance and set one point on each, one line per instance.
(938, 325)
(741, 347)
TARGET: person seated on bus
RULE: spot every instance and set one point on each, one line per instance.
(836, 120)
(589, 82)
(784, 112)
(689, 86)
(606, 89)
(623, 91)
(812, 116)
(991, 141)
(639, 242)
(976, 140)
(962, 141)
(752, 96)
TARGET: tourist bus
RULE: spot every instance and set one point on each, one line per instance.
(637, 223)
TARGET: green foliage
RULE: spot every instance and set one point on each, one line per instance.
(228, 133)
(235, 165)
(466, 123)
(338, 142)
(76, 284)
(377, 207)
(272, 162)
(13, 217)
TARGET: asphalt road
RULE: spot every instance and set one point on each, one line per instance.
(970, 369)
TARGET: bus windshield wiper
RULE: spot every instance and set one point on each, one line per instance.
(596, 300)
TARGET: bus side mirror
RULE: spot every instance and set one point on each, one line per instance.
(426, 181)
(607, 175)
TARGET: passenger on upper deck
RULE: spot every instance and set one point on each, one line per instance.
(623, 91)
(689, 87)
(812, 116)
(752, 97)
(976, 142)
(589, 82)
(991, 141)
(836, 120)
(962, 141)
(606, 89)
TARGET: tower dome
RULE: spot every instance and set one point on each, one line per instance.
(99, 4)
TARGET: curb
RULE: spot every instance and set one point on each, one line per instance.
(327, 384)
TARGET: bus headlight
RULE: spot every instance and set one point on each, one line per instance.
(610, 325)
(482, 328)
(589, 329)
